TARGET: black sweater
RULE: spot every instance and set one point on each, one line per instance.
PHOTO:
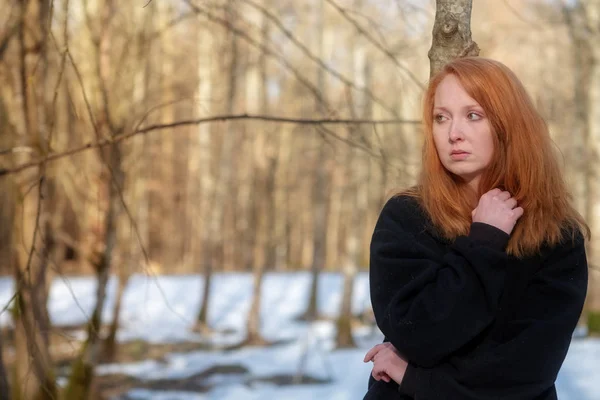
(473, 322)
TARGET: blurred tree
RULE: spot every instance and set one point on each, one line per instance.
(321, 184)
(34, 373)
(583, 20)
(257, 102)
(218, 212)
(356, 197)
(107, 121)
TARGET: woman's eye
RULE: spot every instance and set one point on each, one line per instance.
(439, 118)
(473, 116)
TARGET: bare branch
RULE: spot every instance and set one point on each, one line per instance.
(262, 46)
(220, 118)
(375, 43)
(317, 60)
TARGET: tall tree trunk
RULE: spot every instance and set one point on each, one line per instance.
(83, 367)
(257, 102)
(109, 349)
(139, 194)
(218, 196)
(283, 229)
(451, 33)
(82, 372)
(34, 375)
(359, 200)
(169, 231)
(4, 386)
(319, 191)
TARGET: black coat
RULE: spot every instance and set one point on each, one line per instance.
(473, 322)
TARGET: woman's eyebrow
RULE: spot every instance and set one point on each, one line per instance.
(464, 107)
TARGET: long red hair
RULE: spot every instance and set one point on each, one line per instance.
(524, 162)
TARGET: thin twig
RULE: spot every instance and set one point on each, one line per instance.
(375, 43)
(262, 46)
(114, 180)
(318, 60)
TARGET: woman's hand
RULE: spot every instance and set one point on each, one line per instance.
(387, 363)
(498, 208)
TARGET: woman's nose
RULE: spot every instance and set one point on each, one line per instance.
(456, 132)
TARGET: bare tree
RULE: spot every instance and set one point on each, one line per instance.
(319, 190)
(357, 196)
(34, 377)
(261, 222)
(82, 373)
(219, 196)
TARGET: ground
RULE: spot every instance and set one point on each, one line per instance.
(161, 358)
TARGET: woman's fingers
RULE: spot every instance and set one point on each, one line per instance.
(379, 374)
(503, 195)
(518, 212)
(371, 353)
(511, 203)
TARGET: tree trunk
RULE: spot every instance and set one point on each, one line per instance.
(80, 382)
(220, 198)
(357, 174)
(34, 376)
(4, 386)
(257, 101)
(206, 174)
(319, 191)
(109, 349)
(82, 371)
(139, 195)
(451, 33)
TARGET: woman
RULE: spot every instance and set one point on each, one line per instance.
(478, 275)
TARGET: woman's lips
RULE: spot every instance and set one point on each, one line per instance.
(459, 155)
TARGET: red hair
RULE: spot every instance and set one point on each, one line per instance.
(524, 161)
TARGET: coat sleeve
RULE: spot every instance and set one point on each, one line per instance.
(524, 362)
(428, 305)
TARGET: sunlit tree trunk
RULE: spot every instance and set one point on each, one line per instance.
(319, 190)
(83, 367)
(358, 197)
(82, 372)
(451, 33)
(219, 198)
(257, 102)
(133, 247)
(34, 376)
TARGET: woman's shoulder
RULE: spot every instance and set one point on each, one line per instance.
(566, 254)
(571, 237)
(403, 211)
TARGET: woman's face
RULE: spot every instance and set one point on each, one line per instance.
(461, 132)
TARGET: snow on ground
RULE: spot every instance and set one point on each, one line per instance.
(162, 310)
